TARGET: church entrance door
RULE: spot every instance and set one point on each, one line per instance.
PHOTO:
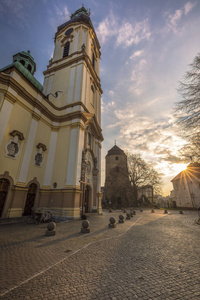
(87, 194)
(4, 186)
(30, 199)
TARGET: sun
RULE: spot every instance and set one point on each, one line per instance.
(179, 167)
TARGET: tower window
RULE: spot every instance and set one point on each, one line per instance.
(66, 49)
(89, 139)
(93, 60)
(93, 95)
(29, 68)
(22, 62)
(116, 158)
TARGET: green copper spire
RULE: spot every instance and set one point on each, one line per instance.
(81, 11)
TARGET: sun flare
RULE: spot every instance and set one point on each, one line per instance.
(179, 167)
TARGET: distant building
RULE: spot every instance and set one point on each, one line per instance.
(186, 186)
(145, 191)
(117, 189)
(50, 135)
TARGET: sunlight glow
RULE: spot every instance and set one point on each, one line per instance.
(179, 167)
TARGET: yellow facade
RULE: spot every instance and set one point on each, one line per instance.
(50, 136)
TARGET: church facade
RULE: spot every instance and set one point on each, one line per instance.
(50, 135)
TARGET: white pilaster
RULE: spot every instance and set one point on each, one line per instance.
(28, 151)
(55, 55)
(71, 85)
(78, 83)
(50, 159)
(4, 118)
(79, 159)
(76, 41)
(72, 157)
(49, 84)
(84, 84)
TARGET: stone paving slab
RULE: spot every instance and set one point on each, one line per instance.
(144, 258)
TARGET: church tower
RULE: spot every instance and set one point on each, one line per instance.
(56, 158)
(117, 185)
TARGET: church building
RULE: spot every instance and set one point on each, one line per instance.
(50, 135)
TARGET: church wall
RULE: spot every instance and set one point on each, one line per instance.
(61, 157)
(12, 164)
(42, 135)
(5, 114)
(27, 155)
(50, 159)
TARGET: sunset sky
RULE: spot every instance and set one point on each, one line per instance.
(146, 48)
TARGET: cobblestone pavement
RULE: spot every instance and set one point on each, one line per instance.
(151, 256)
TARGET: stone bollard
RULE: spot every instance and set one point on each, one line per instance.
(110, 210)
(152, 211)
(85, 227)
(51, 229)
(165, 212)
(141, 210)
(112, 223)
(181, 212)
(121, 219)
(128, 216)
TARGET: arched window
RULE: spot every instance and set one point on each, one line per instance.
(29, 68)
(66, 49)
(93, 95)
(22, 62)
(89, 139)
(93, 60)
(116, 158)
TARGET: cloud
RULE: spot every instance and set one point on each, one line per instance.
(107, 28)
(129, 34)
(173, 19)
(107, 106)
(125, 34)
(136, 54)
(189, 6)
(16, 9)
(137, 78)
(59, 16)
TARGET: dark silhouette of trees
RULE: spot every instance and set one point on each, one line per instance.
(142, 174)
(187, 111)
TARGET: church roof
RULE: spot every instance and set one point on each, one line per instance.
(192, 168)
(28, 59)
(115, 150)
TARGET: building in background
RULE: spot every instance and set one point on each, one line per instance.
(50, 135)
(117, 190)
(186, 186)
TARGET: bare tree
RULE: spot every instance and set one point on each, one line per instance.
(142, 174)
(187, 111)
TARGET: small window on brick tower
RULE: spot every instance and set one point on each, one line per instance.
(116, 158)
(66, 49)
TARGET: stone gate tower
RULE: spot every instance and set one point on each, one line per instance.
(117, 184)
(51, 136)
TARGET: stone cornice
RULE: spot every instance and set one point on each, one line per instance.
(5, 78)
